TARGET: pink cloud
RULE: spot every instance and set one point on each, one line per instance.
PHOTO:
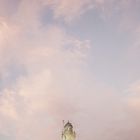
(56, 85)
(25, 106)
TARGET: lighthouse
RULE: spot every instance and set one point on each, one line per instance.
(68, 133)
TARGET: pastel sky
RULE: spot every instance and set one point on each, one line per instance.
(76, 60)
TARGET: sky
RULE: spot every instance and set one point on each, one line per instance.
(74, 60)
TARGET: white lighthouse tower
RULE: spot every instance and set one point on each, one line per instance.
(68, 133)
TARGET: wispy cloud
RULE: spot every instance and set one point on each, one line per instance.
(69, 10)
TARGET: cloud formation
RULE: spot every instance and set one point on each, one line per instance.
(44, 78)
(30, 65)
